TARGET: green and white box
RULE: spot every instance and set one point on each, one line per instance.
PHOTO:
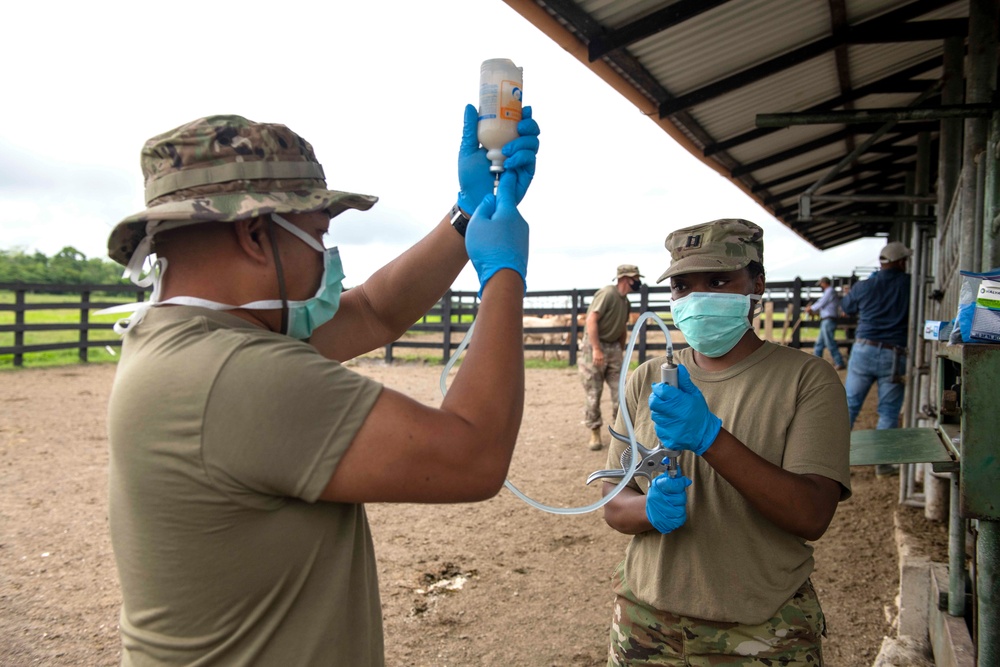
(989, 294)
(986, 319)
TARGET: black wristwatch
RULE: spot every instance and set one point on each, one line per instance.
(459, 219)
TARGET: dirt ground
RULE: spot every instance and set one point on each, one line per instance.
(494, 583)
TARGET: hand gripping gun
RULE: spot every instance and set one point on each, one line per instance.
(652, 462)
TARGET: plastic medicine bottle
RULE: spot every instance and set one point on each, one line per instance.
(499, 107)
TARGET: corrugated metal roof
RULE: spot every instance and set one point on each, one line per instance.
(711, 66)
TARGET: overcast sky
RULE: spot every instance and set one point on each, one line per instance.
(378, 88)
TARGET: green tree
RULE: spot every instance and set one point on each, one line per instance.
(68, 266)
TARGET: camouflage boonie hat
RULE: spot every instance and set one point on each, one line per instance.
(628, 270)
(721, 245)
(222, 169)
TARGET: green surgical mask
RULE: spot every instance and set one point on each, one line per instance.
(713, 322)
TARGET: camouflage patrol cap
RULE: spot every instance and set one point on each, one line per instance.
(721, 245)
(222, 169)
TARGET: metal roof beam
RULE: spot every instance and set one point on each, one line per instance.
(879, 182)
(917, 31)
(846, 209)
(882, 183)
(843, 235)
(883, 25)
(883, 165)
(884, 198)
(857, 152)
(877, 219)
(583, 28)
(658, 21)
(892, 152)
(834, 137)
(900, 82)
(838, 23)
(885, 115)
(831, 231)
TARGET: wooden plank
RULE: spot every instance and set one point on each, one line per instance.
(950, 639)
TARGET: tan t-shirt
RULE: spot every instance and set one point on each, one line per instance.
(613, 308)
(727, 562)
(223, 435)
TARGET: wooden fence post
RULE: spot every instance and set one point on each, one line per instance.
(19, 322)
(643, 307)
(84, 321)
(574, 326)
(446, 326)
(769, 321)
(797, 311)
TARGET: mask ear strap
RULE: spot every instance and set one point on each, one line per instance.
(282, 292)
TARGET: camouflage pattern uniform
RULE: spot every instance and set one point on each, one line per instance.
(594, 378)
(222, 169)
(612, 308)
(643, 636)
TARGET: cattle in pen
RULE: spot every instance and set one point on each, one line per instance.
(535, 331)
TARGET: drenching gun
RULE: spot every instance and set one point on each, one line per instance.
(652, 462)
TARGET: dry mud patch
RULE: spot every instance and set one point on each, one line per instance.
(492, 583)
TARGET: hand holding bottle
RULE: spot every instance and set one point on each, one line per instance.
(497, 235)
(474, 176)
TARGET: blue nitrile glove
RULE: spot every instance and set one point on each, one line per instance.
(475, 179)
(681, 415)
(666, 502)
(497, 235)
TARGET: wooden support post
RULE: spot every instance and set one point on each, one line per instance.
(446, 326)
(769, 321)
(19, 321)
(84, 321)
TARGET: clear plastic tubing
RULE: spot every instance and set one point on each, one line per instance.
(622, 410)
(500, 84)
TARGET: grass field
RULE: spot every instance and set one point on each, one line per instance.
(68, 316)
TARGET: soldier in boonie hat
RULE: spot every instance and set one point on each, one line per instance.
(604, 338)
(231, 406)
(222, 169)
(628, 271)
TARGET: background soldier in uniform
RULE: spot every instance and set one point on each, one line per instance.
(717, 571)
(605, 336)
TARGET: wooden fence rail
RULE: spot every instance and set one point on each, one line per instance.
(447, 322)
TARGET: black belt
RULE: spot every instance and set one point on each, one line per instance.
(884, 346)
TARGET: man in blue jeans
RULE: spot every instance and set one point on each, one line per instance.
(879, 353)
(826, 307)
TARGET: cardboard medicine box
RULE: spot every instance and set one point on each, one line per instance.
(986, 319)
(937, 330)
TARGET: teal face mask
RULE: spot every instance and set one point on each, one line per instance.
(713, 322)
(305, 316)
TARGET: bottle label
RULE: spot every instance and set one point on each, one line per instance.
(501, 101)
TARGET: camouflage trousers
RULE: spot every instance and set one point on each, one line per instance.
(594, 378)
(646, 637)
